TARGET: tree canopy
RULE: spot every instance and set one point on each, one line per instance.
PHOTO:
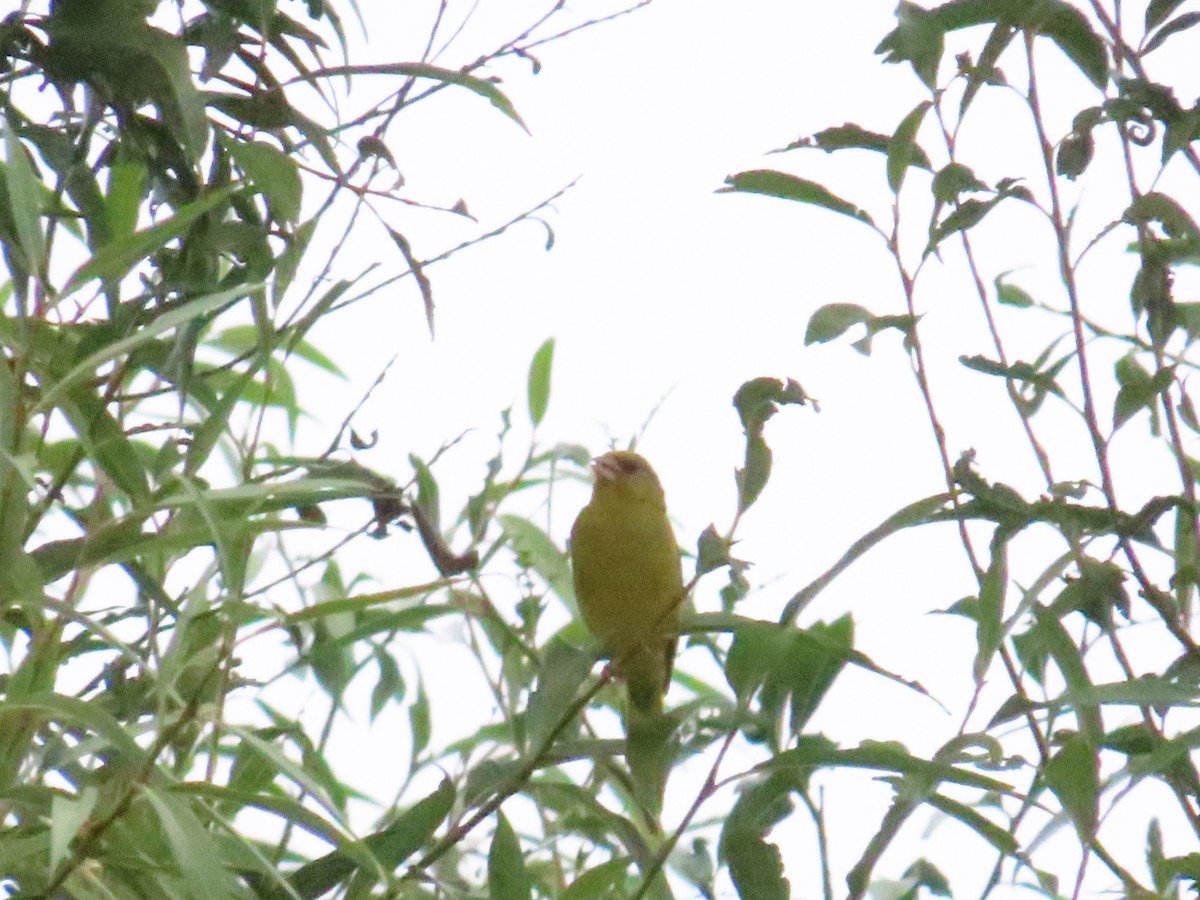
(184, 642)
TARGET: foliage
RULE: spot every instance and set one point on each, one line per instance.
(1093, 715)
(159, 538)
(167, 170)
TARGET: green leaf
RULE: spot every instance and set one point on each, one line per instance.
(953, 180)
(192, 847)
(24, 202)
(331, 660)
(833, 320)
(67, 816)
(110, 45)
(756, 401)
(1158, 10)
(480, 86)
(697, 866)
(790, 669)
(790, 187)
(361, 604)
(428, 492)
(1073, 33)
(752, 477)
(963, 217)
(712, 551)
(1011, 295)
(390, 847)
(105, 443)
(420, 724)
(1000, 838)
(563, 669)
(1139, 389)
(1175, 26)
(816, 751)
(1187, 557)
(1067, 26)
(123, 203)
(1055, 640)
(1095, 593)
(539, 381)
(755, 653)
(535, 550)
(1074, 154)
(418, 272)
(918, 39)
(272, 172)
(903, 149)
(390, 686)
(923, 873)
(114, 261)
(817, 658)
(990, 613)
(70, 712)
(508, 879)
(1073, 776)
(20, 577)
(1166, 210)
(755, 865)
(251, 771)
(842, 137)
(599, 882)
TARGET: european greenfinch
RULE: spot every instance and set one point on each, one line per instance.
(628, 578)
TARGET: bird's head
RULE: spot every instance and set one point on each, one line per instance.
(625, 473)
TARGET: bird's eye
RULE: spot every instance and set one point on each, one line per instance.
(630, 465)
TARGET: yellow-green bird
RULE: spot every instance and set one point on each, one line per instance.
(628, 578)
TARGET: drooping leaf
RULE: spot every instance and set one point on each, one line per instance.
(756, 401)
(791, 187)
(480, 86)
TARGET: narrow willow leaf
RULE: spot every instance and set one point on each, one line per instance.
(24, 202)
(1073, 776)
(508, 879)
(989, 628)
(539, 381)
(480, 86)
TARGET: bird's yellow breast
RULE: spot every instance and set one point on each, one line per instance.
(628, 579)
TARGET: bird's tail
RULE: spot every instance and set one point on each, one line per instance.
(651, 740)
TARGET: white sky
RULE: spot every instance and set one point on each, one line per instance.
(659, 287)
